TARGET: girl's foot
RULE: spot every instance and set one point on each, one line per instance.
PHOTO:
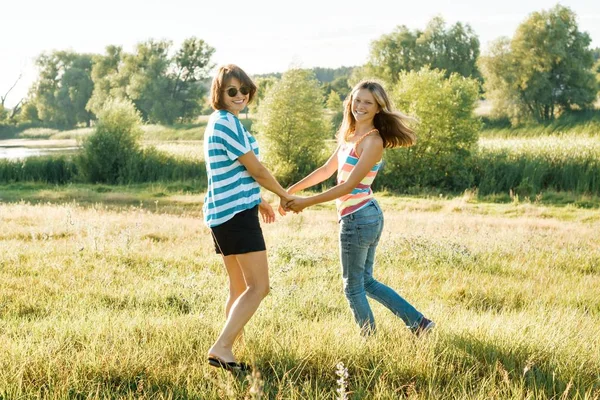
(424, 327)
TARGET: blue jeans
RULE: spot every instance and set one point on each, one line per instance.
(359, 235)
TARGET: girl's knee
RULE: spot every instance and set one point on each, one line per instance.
(260, 291)
(353, 290)
(264, 291)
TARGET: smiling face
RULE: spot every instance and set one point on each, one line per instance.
(234, 104)
(364, 106)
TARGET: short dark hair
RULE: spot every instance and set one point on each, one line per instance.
(223, 76)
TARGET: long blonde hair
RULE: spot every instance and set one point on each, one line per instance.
(391, 124)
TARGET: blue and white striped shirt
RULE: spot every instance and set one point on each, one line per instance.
(231, 189)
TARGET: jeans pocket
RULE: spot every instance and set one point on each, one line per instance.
(368, 233)
(367, 220)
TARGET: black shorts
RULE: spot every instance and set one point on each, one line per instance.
(241, 234)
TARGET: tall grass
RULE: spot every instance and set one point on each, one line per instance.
(77, 134)
(98, 303)
(11, 131)
(192, 131)
(150, 165)
(37, 133)
(187, 149)
(574, 123)
(47, 169)
(176, 132)
(529, 166)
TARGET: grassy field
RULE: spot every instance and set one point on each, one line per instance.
(113, 293)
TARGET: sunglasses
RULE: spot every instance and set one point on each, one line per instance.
(232, 92)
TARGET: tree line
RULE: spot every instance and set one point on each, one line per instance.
(165, 86)
(547, 68)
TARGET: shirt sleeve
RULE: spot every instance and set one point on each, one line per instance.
(233, 138)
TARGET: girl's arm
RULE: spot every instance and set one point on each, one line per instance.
(371, 154)
(318, 175)
(262, 175)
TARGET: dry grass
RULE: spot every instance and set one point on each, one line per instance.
(103, 303)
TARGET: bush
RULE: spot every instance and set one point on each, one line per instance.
(447, 133)
(7, 130)
(292, 126)
(108, 153)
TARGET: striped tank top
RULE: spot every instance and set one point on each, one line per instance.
(361, 194)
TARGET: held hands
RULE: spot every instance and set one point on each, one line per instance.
(283, 209)
(298, 204)
(292, 203)
(287, 203)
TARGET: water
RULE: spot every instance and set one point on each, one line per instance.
(19, 153)
(19, 149)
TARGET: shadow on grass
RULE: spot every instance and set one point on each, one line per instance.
(527, 369)
(171, 198)
(460, 365)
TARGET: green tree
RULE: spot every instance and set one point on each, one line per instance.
(334, 79)
(63, 88)
(341, 86)
(292, 125)
(453, 50)
(262, 87)
(596, 71)
(165, 88)
(29, 113)
(191, 66)
(336, 107)
(338, 85)
(148, 81)
(501, 82)
(544, 70)
(111, 78)
(75, 91)
(458, 51)
(334, 103)
(328, 75)
(447, 132)
(389, 55)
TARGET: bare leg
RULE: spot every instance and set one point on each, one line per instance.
(255, 269)
(237, 284)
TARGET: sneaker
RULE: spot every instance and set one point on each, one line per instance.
(425, 326)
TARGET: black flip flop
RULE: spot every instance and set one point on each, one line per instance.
(231, 366)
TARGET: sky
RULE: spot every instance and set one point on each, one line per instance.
(261, 36)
